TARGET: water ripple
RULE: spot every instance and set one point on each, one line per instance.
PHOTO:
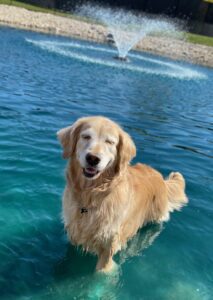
(175, 70)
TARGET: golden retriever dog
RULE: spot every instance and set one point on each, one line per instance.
(106, 200)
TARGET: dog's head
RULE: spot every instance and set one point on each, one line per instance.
(97, 144)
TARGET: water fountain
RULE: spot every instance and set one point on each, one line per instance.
(127, 29)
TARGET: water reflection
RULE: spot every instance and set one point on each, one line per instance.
(76, 271)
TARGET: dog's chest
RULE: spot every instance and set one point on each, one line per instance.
(91, 222)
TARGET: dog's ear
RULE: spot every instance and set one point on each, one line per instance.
(68, 138)
(64, 136)
(126, 150)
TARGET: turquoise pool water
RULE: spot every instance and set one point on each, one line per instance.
(46, 83)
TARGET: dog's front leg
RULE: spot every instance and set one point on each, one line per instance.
(105, 256)
(105, 262)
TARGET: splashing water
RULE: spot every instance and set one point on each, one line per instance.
(128, 29)
(90, 54)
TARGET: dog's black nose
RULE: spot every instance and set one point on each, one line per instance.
(92, 159)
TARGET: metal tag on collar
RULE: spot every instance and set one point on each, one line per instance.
(84, 210)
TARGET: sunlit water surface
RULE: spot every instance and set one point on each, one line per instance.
(46, 83)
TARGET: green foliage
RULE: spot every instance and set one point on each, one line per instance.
(31, 7)
(199, 39)
(43, 10)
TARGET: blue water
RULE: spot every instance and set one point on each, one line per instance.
(46, 83)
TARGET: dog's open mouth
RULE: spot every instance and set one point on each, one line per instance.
(90, 172)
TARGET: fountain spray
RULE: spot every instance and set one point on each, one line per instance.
(126, 28)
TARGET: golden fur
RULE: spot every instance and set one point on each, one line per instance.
(120, 199)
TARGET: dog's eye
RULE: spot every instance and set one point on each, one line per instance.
(86, 137)
(110, 142)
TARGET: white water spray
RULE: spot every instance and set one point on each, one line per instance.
(128, 29)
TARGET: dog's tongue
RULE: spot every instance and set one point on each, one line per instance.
(91, 170)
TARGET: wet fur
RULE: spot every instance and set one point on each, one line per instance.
(119, 202)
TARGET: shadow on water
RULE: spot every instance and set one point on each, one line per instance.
(43, 263)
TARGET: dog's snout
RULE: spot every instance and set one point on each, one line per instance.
(92, 159)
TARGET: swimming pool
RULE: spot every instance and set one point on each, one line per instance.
(46, 83)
